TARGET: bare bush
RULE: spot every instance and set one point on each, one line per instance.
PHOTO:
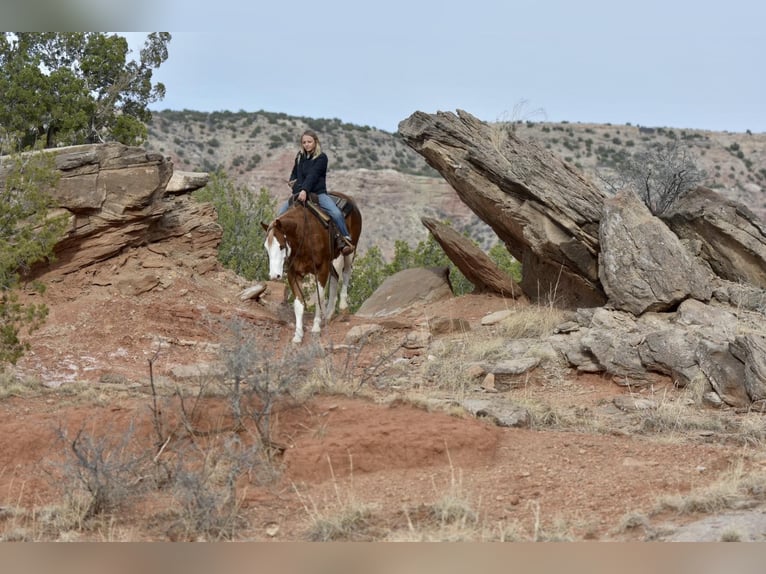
(257, 379)
(206, 489)
(660, 175)
(109, 470)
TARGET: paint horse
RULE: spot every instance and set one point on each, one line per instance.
(299, 242)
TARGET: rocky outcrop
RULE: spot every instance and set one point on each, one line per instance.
(543, 209)
(680, 297)
(724, 233)
(477, 267)
(117, 197)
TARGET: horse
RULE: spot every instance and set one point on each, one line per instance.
(298, 241)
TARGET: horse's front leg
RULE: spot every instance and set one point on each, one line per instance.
(332, 292)
(347, 264)
(320, 307)
(298, 307)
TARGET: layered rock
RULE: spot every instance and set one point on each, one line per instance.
(724, 233)
(117, 197)
(543, 209)
(477, 267)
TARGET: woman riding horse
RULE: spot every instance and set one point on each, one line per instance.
(298, 241)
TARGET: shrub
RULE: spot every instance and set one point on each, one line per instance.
(239, 214)
(28, 234)
(660, 175)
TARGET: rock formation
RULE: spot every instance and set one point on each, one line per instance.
(117, 197)
(477, 267)
(681, 297)
(541, 207)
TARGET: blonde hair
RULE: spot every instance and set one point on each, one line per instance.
(318, 148)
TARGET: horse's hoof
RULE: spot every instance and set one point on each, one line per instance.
(297, 340)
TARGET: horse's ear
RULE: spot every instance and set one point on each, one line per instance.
(265, 227)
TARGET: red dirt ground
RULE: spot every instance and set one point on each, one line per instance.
(377, 451)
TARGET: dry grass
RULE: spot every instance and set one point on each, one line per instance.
(13, 386)
(632, 521)
(532, 322)
(673, 418)
(736, 488)
(341, 519)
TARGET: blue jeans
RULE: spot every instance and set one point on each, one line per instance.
(328, 204)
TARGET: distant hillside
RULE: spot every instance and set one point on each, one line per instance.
(395, 186)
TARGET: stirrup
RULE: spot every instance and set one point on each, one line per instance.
(348, 247)
(344, 245)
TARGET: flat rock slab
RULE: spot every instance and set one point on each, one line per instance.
(738, 526)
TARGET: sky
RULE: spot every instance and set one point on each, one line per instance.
(682, 64)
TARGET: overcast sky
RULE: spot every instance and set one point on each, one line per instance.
(684, 64)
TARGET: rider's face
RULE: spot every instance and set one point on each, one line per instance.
(308, 144)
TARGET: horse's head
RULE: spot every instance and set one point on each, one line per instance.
(277, 248)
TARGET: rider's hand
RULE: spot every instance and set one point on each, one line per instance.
(302, 196)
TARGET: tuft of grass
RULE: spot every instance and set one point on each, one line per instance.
(532, 322)
(733, 490)
(677, 416)
(344, 519)
(731, 535)
(449, 370)
(14, 386)
(632, 521)
(349, 523)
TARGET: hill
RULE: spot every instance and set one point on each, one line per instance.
(395, 186)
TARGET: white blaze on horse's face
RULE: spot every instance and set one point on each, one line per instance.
(277, 254)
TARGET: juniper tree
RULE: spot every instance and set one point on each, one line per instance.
(29, 229)
(66, 88)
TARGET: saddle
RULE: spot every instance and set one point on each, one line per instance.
(345, 207)
(313, 205)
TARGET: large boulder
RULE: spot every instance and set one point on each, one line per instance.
(643, 266)
(405, 289)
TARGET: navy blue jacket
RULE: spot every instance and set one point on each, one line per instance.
(309, 174)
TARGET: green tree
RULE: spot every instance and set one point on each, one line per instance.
(371, 269)
(28, 232)
(239, 214)
(369, 272)
(505, 261)
(66, 88)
